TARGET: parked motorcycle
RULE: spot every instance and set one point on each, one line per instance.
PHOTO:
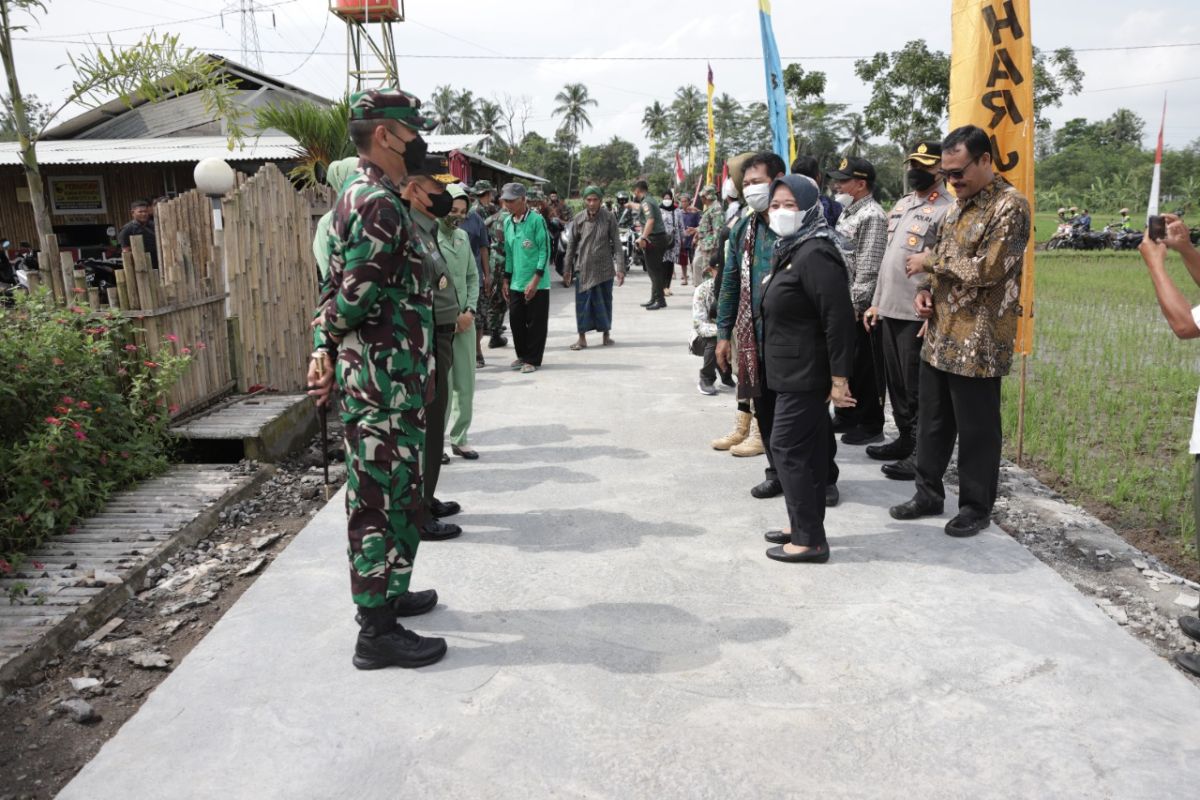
(1121, 239)
(101, 273)
(14, 275)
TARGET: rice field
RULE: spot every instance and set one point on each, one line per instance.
(1111, 391)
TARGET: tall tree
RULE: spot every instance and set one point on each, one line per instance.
(656, 123)
(490, 121)
(517, 111)
(857, 135)
(1124, 129)
(1054, 74)
(152, 70)
(37, 114)
(573, 103)
(910, 88)
(727, 123)
(688, 123)
(445, 101)
(612, 163)
(466, 115)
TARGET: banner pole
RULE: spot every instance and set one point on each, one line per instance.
(1021, 412)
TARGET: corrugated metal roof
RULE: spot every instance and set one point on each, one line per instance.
(502, 167)
(187, 149)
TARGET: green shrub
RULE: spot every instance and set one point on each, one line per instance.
(82, 413)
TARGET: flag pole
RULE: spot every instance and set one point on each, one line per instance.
(1021, 411)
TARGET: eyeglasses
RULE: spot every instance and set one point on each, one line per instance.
(958, 174)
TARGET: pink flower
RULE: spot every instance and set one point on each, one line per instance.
(84, 404)
(174, 408)
(78, 310)
(66, 401)
(131, 348)
(77, 290)
(201, 346)
(53, 421)
(81, 436)
(150, 364)
(172, 337)
(187, 351)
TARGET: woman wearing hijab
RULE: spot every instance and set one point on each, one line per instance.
(455, 246)
(808, 344)
(336, 176)
(673, 226)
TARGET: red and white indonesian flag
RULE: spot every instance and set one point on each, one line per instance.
(1156, 181)
(680, 175)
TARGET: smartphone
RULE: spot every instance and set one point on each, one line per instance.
(1156, 228)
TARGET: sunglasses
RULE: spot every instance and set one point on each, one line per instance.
(958, 174)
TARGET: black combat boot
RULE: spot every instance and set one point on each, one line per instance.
(384, 643)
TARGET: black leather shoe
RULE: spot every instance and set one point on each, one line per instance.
(398, 648)
(895, 450)
(842, 424)
(647, 304)
(497, 342)
(766, 489)
(964, 525)
(656, 306)
(1190, 626)
(832, 495)
(445, 459)
(438, 531)
(862, 436)
(1189, 662)
(915, 509)
(904, 470)
(440, 509)
(816, 555)
(777, 537)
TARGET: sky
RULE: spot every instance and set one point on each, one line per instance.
(471, 44)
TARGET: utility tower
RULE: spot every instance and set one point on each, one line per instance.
(248, 11)
(370, 43)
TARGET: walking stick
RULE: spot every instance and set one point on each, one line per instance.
(323, 414)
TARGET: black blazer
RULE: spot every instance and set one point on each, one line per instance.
(808, 320)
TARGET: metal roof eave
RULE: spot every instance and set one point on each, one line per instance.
(496, 165)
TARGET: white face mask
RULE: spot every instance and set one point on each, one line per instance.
(757, 196)
(846, 200)
(667, 203)
(785, 221)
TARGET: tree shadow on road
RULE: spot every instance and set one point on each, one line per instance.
(583, 530)
(626, 638)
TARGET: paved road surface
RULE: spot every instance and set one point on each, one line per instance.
(616, 632)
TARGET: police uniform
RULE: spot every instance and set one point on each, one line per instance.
(374, 319)
(914, 225)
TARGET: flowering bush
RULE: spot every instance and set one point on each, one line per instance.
(83, 412)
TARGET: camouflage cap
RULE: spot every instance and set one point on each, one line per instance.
(535, 194)
(390, 104)
(482, 186)
(709, 189)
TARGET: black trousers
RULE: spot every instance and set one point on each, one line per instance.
(708, 369)
(969, 409)
(800, 442)
(654, 266)
(435, 412)
(529, 319)
(902, 364)
(764, 412)
(865, 385)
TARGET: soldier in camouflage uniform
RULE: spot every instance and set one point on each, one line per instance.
(372, 335)
(492, 302)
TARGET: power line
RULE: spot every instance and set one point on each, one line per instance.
(144, 27)
(299, 66)
(1141, 85)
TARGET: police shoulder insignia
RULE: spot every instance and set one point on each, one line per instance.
(934, 196)
(845, 163)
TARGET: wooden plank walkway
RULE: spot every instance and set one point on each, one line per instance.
(87, 574)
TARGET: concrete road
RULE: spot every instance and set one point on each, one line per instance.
(616, 632)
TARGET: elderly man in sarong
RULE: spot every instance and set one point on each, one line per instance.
(594, 258)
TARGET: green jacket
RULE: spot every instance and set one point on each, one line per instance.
(526, 251)
(456, 249)
(445, 296)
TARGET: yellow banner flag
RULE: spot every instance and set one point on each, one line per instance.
(991, 85)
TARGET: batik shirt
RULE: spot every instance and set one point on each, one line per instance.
(976, 268)
(375, 314)
(708, 234)
(864, 226)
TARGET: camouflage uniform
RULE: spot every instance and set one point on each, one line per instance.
(376, 314)
(494, 305)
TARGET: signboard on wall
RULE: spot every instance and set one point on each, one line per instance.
(77, 194)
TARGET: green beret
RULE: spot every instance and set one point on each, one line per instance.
(593, 190)
(390, 104)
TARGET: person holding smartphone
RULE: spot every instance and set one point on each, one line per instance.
(1184, 320)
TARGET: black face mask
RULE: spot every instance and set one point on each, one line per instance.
(440, 204)
(414, 155)
(920, 180)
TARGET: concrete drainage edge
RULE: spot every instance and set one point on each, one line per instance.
(61, 637)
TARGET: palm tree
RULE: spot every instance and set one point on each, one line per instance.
(323, 134)
(445, 102)
(490, 118)
(688, 119)
(573, 102)
(656, 122)
(466, 115)
(727, 121)
(857, 134)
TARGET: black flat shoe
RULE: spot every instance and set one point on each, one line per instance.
(440, 509)
(895, 450)
(438, 531)
(915, 509)
(841, 424)
(1189, 662)
(777, 537)
(904, 470)
(832, 495)
(445, 458)
(656, 306)
(497, 342)
(646, 305)
(766, 489)
(862, 436)
(467, 453)
(1190, 626)
(817, 555)
(964, 525)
